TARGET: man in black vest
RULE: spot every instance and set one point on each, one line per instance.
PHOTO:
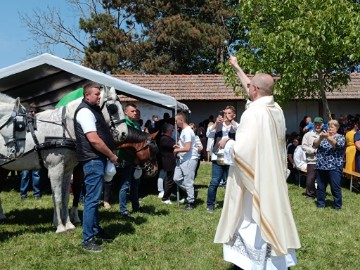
(222, 130)
(94, 144)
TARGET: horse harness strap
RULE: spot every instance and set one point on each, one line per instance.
(51, 142)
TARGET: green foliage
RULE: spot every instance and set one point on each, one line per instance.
(177, 37)
(168, 237)
(312, 44)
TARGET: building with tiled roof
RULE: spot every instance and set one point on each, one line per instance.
(207, 94)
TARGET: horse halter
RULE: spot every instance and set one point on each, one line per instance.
(113, 110)
(18, 126)
(147, 165)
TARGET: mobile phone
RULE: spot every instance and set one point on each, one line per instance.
(221, 113)
(325, 128)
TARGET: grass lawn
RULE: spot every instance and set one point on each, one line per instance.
(168, 237)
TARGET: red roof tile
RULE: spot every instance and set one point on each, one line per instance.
(212, 87)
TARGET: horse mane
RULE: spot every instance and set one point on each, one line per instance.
(135, 135)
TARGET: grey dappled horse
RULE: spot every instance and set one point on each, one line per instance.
(48, 138)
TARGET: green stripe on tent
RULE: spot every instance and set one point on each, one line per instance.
(78, 93)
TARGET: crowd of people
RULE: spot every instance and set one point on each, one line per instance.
(256, 216)
(322, 150)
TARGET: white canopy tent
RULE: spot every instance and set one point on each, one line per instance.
(45, 79)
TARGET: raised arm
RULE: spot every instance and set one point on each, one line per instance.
(245, 81)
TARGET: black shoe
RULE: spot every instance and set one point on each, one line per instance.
(210, 209)
(103, 236)
(23, 197)
(189, 207)
(91, 246)
(125, 214)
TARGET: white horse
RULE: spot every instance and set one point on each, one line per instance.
(48, 140)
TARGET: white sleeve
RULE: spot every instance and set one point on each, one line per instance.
(210, 133)
(87, 120)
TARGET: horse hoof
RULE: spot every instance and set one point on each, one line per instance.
(69, 226)
(60, 229)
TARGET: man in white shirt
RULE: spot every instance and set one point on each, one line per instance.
(222, 131)
(187, 155)
(300, 159)
(310, 150)
(94, 145)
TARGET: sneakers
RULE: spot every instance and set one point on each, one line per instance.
(107, 205)
(189, 207)
(91, 246)
(161, 194)
(103, 236)
(210, 209)
(182, 201)
(167, 202)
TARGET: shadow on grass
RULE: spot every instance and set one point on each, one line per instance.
(35, 220)
(200, 186)
(29, 216)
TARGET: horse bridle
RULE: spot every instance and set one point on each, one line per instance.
(147, 165)
(18, 126)
(112, 109)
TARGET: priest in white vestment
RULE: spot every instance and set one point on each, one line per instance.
(256, 226)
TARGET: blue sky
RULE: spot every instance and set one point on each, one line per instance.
(15, 41)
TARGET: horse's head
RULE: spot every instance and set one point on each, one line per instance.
(12, 127)
(113, 114)
(142, 146)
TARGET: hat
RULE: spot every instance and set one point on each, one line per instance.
(318, 120)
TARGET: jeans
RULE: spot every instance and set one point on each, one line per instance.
(25, 180)
(333, 177)
(127, 181)
(184, 176)
(94, 182)
(219, 172)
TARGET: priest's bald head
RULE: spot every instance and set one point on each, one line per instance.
(261, 85)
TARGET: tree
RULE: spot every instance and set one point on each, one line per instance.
(178, 37)
(51, 31)
(143, 36)
(313, 45)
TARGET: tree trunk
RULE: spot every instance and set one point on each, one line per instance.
(323, 96)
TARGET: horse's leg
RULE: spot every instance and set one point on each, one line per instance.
(78, 179)
(65, 200)
(56, 174)
(3, 175)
